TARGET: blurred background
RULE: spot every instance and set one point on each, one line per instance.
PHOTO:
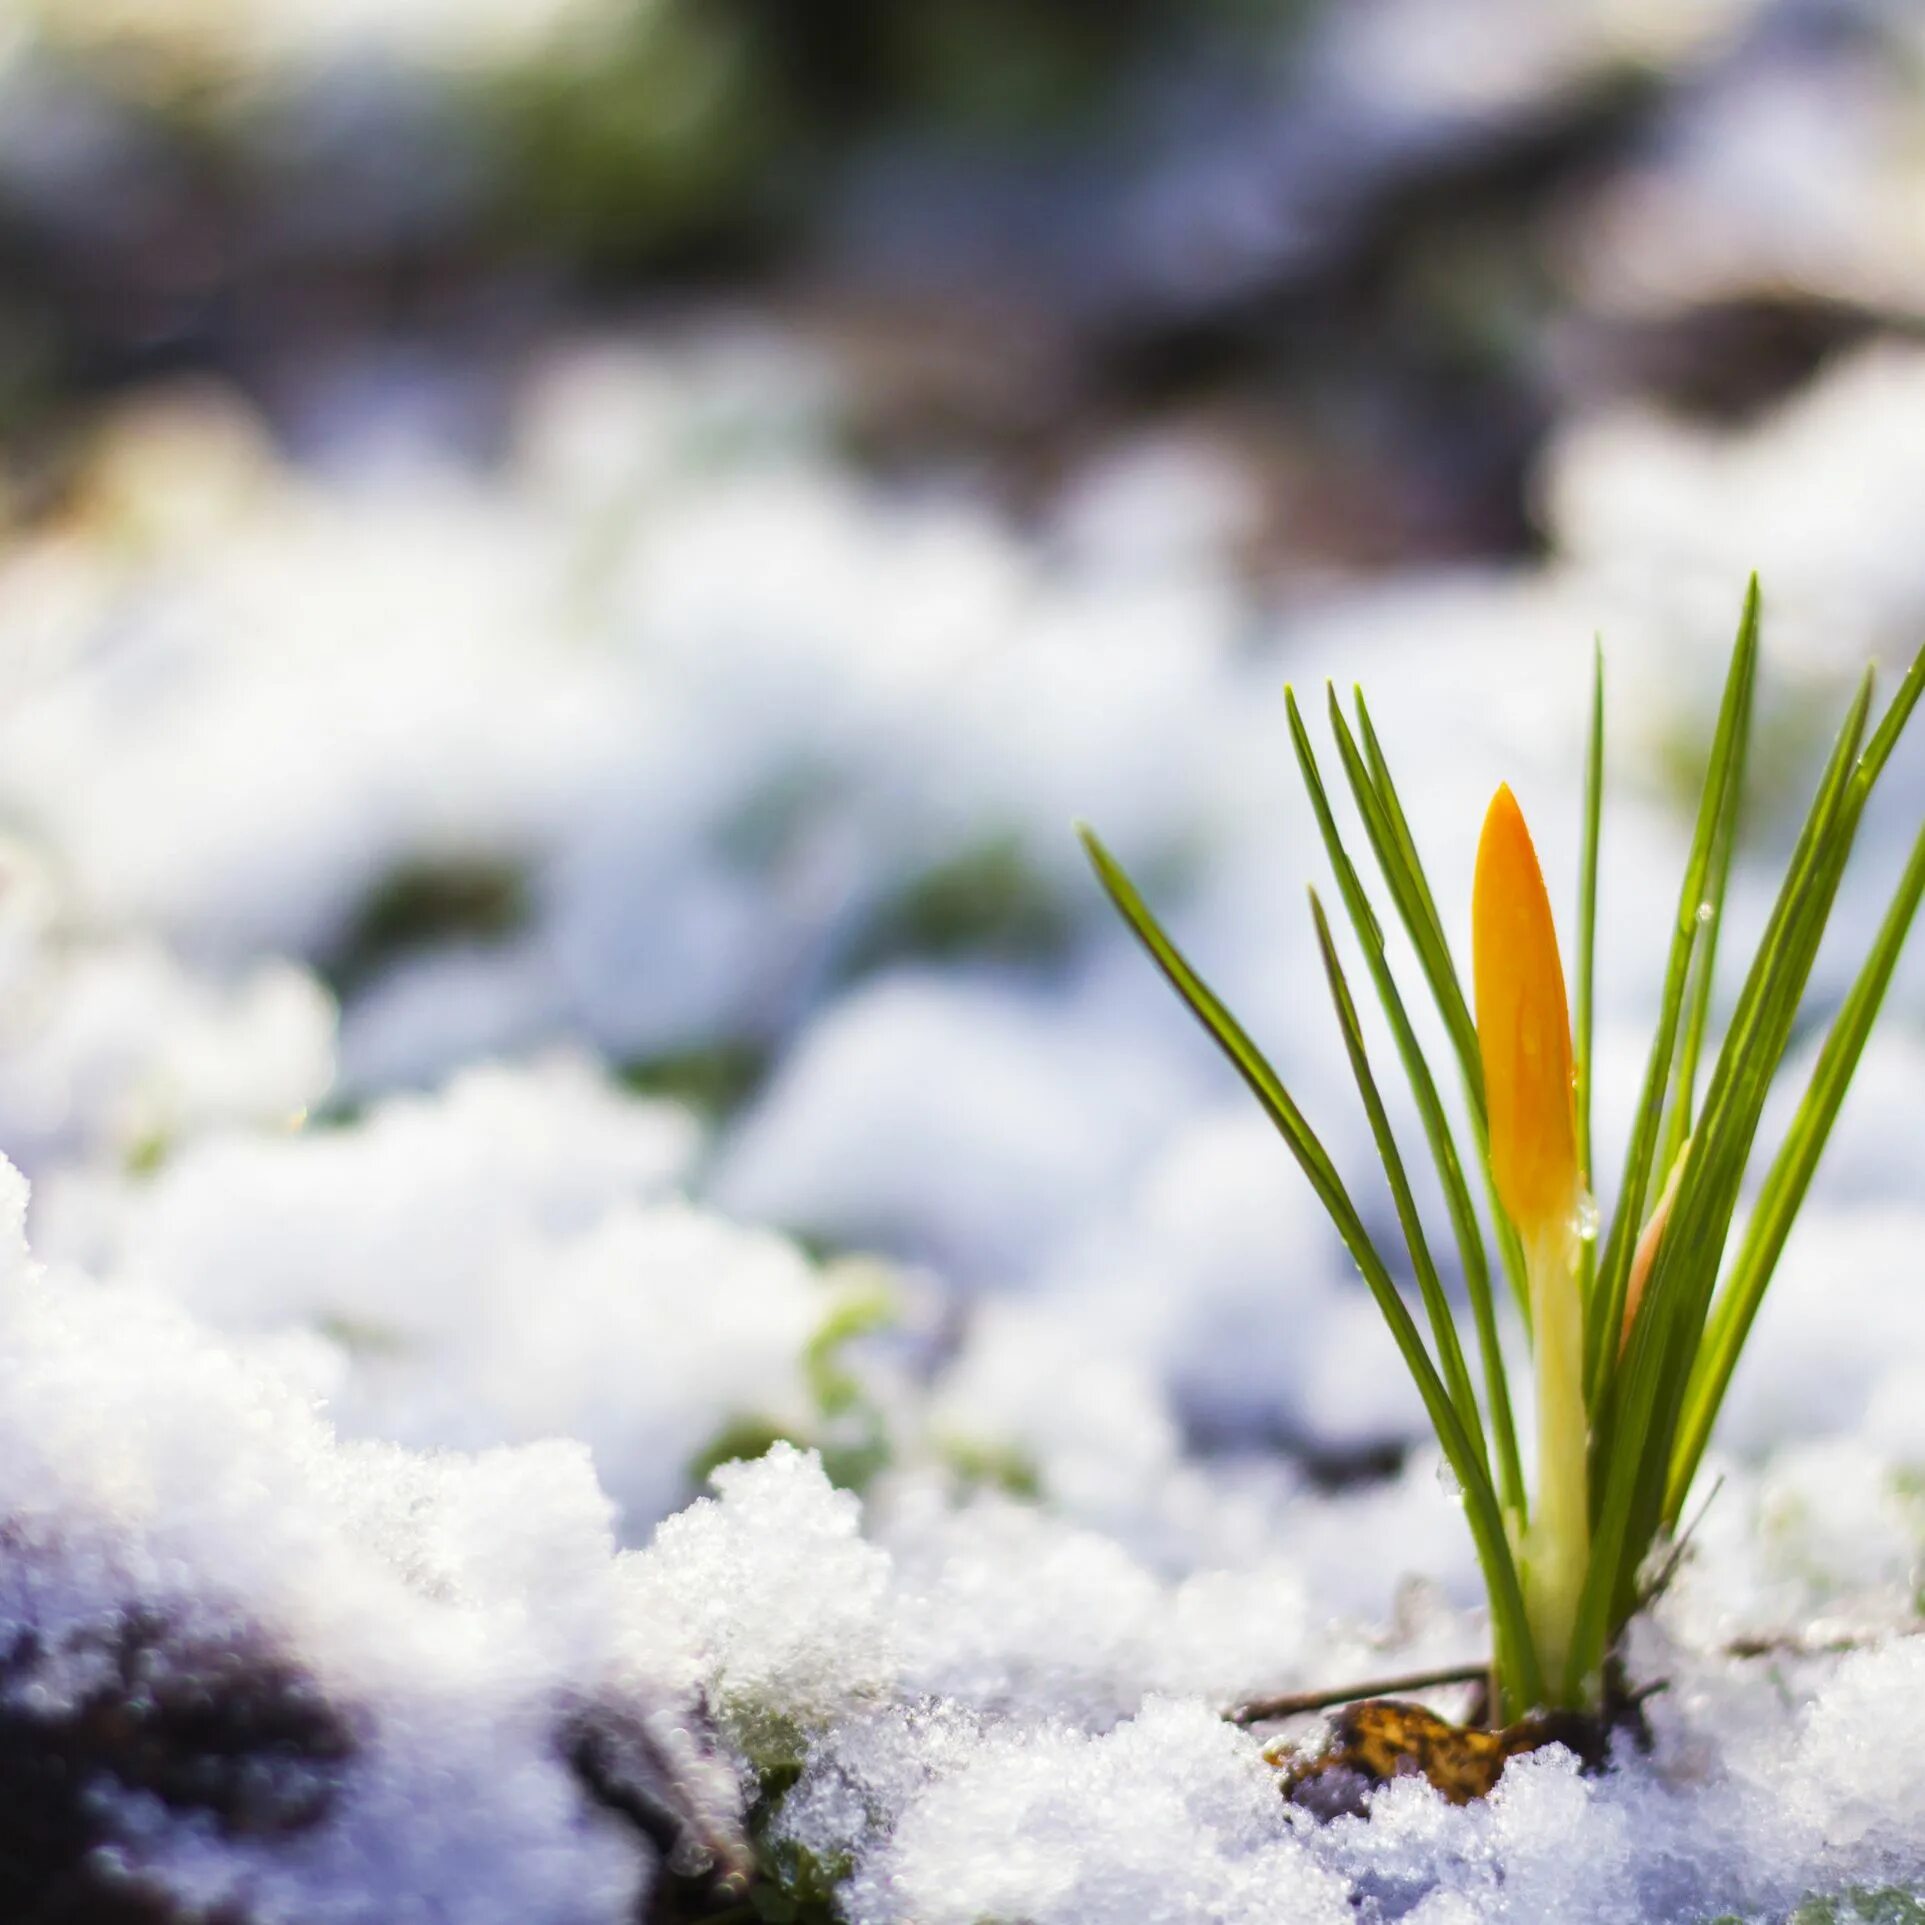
(632, 527)
(1371, 254)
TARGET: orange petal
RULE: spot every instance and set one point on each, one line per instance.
(1523, 1025)
(1646, 1253)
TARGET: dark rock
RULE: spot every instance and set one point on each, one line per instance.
(216, 1728)
(663, 1781)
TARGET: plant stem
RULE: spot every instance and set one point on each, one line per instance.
(1557, 1546)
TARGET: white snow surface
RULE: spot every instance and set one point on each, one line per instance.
(502, 1262)
(1047, 1742)
(110, 1049)
(449, 1607)
(392, 1349)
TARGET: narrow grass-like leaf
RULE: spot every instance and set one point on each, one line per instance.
(1891, 725)
(1510, 1630)
(1403, 873)
(1783, 1191)
(1677, 1297)
(1606, 1302)
(1653, 1382)
(1584, 1019)
(1230, 1037)
(1647, 1391)
(1430, 1109)
(1430, 1287)
(1734, 1108)
(1377, 767)
(1390, 839)
(1704, 958)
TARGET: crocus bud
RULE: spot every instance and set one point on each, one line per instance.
(1524, 1038)
(1523, 1028)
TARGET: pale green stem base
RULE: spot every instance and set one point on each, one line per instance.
(1557, 1545)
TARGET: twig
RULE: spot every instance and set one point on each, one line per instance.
(1792, 1647)
(1297, 1704)
(1260, 1710)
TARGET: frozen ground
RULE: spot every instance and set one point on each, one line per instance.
(524, 987)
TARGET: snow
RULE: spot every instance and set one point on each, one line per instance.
(1820, 494)
(444, 1610)
(1177, 1820)
(990, 1746)
(1039, 1115)
(504, 1261)
(386, 1333)
(111, 1049)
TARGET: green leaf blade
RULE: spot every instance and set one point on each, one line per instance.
(1607, 1299)
(1388, 832)
(1636, 1428)
(1436, 1124)
(1585, 1020)
(1429, 1285)
(1783, 1191)
(1510, 1628)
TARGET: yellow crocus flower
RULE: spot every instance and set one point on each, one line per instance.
(1524, 1039)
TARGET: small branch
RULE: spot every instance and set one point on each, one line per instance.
(1297, 1704)
(1261, 1710)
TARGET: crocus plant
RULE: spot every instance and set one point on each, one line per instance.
(1634, 1324)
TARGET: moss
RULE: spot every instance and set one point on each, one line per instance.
(796, 1887)
(861, 1306)
(988, 900)
(854, 1453)
(147, 1152)
(982, 1464)
(742, 1439)
(793, 1886)
(360, 1337)
(845, 1427)
(714, 1079)
(1857, 1905)
(1862, 1905)
(854, 1463)
(419, 904)
(649, 138)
